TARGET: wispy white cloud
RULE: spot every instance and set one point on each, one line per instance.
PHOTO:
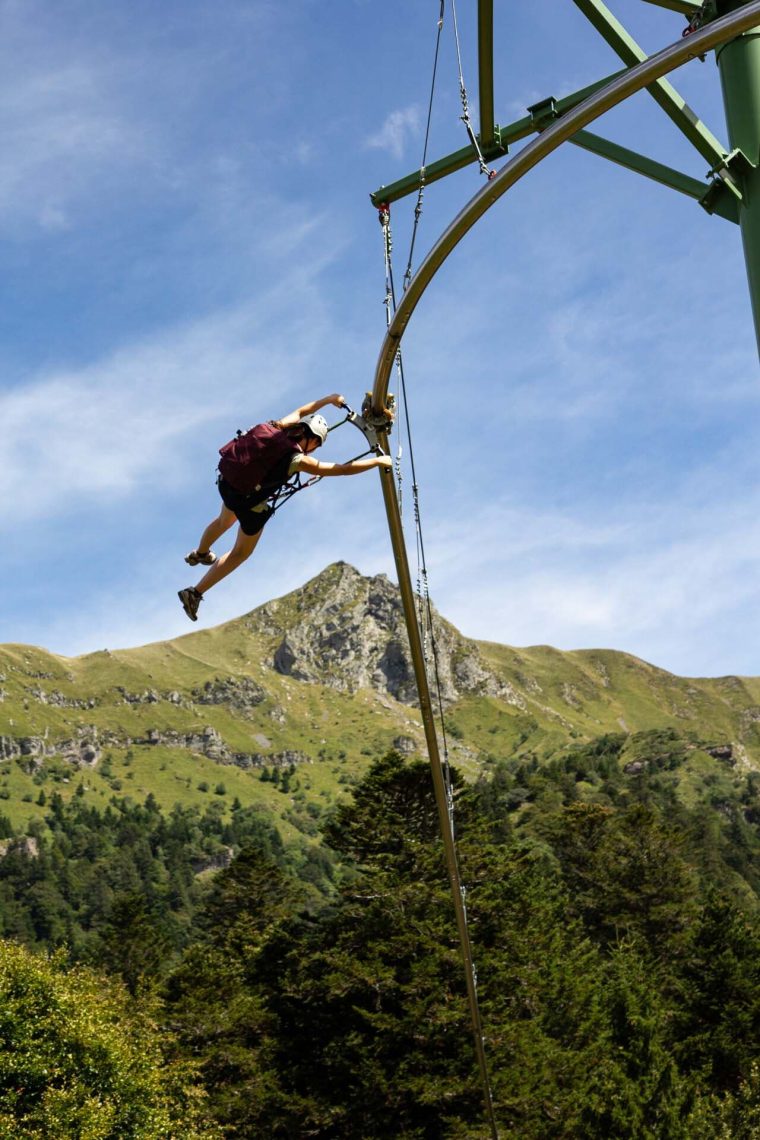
(399, 127)
(658, 578)
(110, 429)
(98, 119)
(63, 128)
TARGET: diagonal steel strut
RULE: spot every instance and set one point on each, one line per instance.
(685, 7)
(687, 121)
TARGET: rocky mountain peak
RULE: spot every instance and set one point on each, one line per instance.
(347, 631)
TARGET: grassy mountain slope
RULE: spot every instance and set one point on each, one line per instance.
(311, 686)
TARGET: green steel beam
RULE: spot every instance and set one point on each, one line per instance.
(503, 138)
(526, 126)
(685, 7)
(456, 161)
(663, 92)
(485, 71)
(633, 80)
(714, 196)
(739, 65)
(726, 206)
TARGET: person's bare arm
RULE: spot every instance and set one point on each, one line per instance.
(312, 466)
(308, 409)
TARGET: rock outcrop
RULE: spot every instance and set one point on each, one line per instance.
(25, 845)
(347, 631)
(31, 752)
(237, 692)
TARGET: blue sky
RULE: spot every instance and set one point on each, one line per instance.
(188, 247)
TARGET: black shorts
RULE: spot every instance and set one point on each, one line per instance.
(241, 505)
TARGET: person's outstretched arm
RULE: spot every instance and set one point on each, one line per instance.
(309, 409)
(312, 466)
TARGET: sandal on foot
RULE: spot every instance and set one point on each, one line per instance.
(190, 599)
(198, 558)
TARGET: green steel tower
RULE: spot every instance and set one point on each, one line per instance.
(732, 190)
(739, 65)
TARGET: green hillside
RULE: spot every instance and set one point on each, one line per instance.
(302, 688)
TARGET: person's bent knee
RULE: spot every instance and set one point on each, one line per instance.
(244, 546)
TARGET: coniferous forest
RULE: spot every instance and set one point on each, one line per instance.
(187, 974)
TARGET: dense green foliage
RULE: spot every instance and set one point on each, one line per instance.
(614, 914)
(120, 887)
(78, 1059)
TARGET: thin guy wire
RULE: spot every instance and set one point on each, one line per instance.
(390, 303)
(484, 168)
(418, 206)
(390, 308)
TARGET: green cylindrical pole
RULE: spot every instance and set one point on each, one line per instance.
(739, 64)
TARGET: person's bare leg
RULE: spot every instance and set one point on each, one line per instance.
(245, 544)
(220, 525)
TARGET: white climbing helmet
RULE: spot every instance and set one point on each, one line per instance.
(317, 425)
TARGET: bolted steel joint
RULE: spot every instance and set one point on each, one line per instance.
(543, 114)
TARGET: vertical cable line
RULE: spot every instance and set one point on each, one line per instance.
(484, 167)
(420, 192)
(423, 614)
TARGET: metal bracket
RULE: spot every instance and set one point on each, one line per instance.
(736, 165)
(718, 199)
(726, 185)
(703, 15)
(497, 147)
(543, 113)
(710, 10)
(373, 424)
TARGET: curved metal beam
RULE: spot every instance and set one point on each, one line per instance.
(665, 61)
(615, 92)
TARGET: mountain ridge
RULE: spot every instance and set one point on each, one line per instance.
(317, 681)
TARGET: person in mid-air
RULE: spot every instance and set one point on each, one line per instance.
(252, 468)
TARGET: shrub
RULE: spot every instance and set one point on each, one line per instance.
(76, 1059)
